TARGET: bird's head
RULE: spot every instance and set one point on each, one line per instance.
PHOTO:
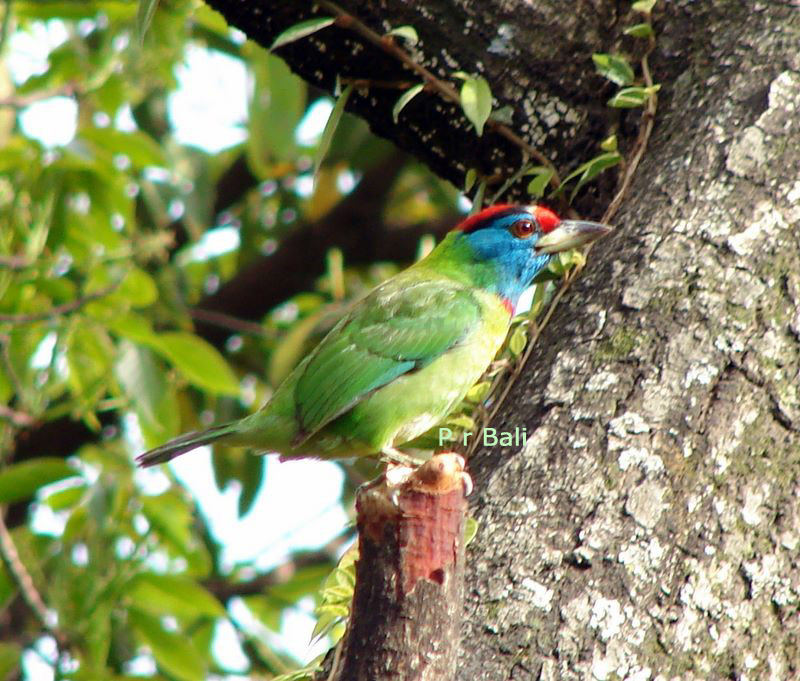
(519, 241)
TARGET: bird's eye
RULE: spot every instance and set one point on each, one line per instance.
(522, 229)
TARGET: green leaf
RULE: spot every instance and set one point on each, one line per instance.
(325, 623)
(301, 30)
(144, 15)
(470, 530)
(461, 421)
(144, 382)
(546, 275)
(97, 636)
(275, 109)
(172, 595)
(591, 169)
(134, 327)
(269, 611)
(469, 179)
(566, 260)
(407, 33)
(639, 30)
(138, 288)
(542, 177)
(172, 651)
(477, 199)
(251, 480)
(516, 344)
(614, 67)
(139, 148)
(330, 128)
(405, 98)
(308, 580)
(170, 516)
(631, 97)
(89, 359)
(505, 114)
(609, 143)
(307, 673)
(643, 6)
(540, 292)
(21, 481)
(10, 657)
(8, 588)
(476, 101)
(139, 377)
(67, 498)
(334, 609)
(478, 392)
(199, 362)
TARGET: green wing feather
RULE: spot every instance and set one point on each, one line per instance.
(396, 329)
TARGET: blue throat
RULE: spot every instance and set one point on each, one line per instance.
(515, 263)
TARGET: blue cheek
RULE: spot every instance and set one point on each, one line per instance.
(515, 261)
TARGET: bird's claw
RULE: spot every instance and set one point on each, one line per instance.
(390, 455)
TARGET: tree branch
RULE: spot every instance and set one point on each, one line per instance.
(407, 604)
(538, 65)
(351, 226)
(225, 589)
(445, 89)
(19, 573)
(58, 310)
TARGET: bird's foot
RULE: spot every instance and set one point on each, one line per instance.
(398, 458)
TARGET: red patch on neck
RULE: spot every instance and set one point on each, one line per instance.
(509, 306)
(546, 218)
(476, 221)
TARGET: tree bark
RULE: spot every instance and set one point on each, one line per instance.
(536, 57)
(650, 529)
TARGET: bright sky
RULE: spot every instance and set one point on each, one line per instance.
(298, 505)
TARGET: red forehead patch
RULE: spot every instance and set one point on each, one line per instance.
(547, 219)
(478, 220)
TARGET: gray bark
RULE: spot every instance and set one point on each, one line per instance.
(651, 527)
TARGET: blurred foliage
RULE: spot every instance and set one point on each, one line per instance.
(104, 252)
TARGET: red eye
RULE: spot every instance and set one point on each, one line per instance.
(522, 229)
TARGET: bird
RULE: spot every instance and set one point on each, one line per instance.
(405, 355)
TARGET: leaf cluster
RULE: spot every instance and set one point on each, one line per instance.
(109, 245)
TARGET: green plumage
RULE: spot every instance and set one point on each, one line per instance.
(392, 368)
(406, 354)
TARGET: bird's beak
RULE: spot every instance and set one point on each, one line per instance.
(570, 234)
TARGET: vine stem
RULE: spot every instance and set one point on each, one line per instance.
(635, 157)
(229, 322)
(24, 581)
(640, 145)
(64, 308)
(520, 365)
(445, 89)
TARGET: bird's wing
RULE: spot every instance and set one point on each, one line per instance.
(395, 330)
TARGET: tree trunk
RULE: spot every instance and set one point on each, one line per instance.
(650, 529)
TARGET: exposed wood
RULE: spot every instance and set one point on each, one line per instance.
(408, 599)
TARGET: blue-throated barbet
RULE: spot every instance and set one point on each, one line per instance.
(405, 355)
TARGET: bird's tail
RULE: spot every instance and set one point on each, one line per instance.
(184, 443)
